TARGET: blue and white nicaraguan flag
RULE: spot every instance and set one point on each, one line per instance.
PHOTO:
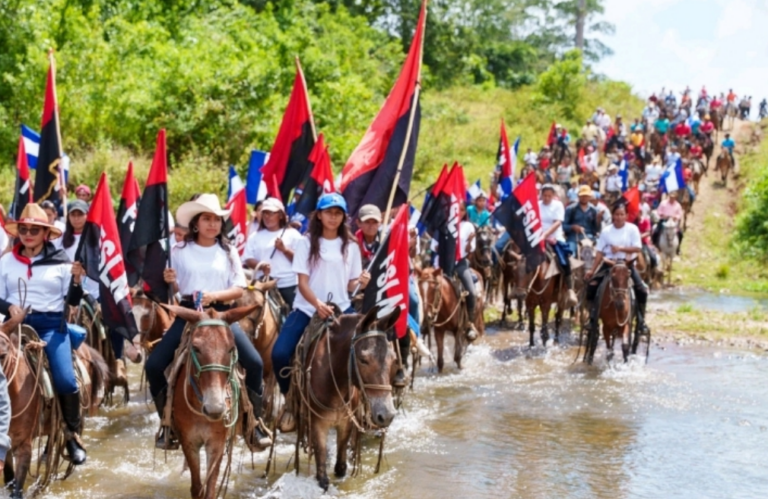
(672, 179)
(31, 145)
(235, 183)
(255, 187)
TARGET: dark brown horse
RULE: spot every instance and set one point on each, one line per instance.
(481, 260)
(206, 403)
(724, 165)
(615, 313)
(446, 313)
(151, 318)
(540, 292)
(510, 268)
(351, 362)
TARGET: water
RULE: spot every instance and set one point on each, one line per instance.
(514, 423)
(716, 302)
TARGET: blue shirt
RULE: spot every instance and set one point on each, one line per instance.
(729, 144)
(662, 125)
(482, 219)
(575, 215)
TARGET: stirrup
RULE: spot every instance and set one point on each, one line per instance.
(261, 438)
(166, 440)
(287, 423)
(399, 381)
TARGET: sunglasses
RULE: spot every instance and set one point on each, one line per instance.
(32, 231)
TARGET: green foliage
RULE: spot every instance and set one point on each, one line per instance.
(685, 308)
(751, 237)
(562, 84)
(722, 271)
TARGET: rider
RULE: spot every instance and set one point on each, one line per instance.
(620, 241)
(466, 244)
(205, 272)
(327, 261)
(696, 151)
(581, 220)
(590, 132)
(729, 144)
(530, 158)
(552, 215)
(682, 131)
(478, 212)
(707, 127)
(763, 108)
(662, 124)
(270, 250)
(368, 238)
(37, 275)
(670, 209)
(716, 103)
(613, 183)
(731, 99)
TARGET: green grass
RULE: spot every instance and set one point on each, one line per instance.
(685, 308)
(688, 321)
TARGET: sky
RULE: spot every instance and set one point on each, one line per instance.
(673, 43)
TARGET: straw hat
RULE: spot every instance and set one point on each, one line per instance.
(32, 214)
(585, 190)
(274, 205)
(206, 203)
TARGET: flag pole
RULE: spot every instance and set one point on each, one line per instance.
(306, 95)
(167, 209)
(411, 118)
(62, 183)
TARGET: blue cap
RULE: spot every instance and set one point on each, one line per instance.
(333, 200)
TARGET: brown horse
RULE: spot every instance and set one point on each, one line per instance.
(657, 143)
(707, 148)
(446, 313)
(206, 406)
(724, 165)
(351, 362)
(540, 292)
(510, 267)
(615, 313)
(697, 169)
(151, 318)
(481, 260)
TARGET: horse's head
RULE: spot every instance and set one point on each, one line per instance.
(371, 361)
(521, 279)
(255, 296)
(483, 243)
(212, 358)
(587, 253)
(620, 276)
(429, 288)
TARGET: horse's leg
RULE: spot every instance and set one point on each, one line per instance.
(319, 448)
(625, 343)
(214, 450)
(531, 326)
(558, 323)
(608, 342)
(507, 305)
(23, 456)
(8, 473)
(343, 432)
(439, 340)
(458, 349)
(545, 323)
(192, 455)
(520, 322)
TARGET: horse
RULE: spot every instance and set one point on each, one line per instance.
(687, 204)
(351, 361)
(445, 311)
(615, 313)
(206, 404)
(510, 266)
(668, 244)
(540, 291)
(708, 149)
(723, 165)
(587, 254)
(151, 318)
(657, 143)
(481, 260)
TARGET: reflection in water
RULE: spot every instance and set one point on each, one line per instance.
(513, 424)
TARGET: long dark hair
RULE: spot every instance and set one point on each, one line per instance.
(192, 235)
(316, 232)
(68, 239)
(283, 220)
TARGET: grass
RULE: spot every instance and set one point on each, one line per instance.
(708, 324)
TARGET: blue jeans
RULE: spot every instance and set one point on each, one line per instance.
(285, 346)
(118, 343)
(413, 306)
(58, 349)
(501, 242)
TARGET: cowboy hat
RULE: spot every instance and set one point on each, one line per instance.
(274, 205)
(206, 203)
(585, 190)
(32, 214)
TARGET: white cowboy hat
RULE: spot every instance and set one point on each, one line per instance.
(32, 214)
(205, 203)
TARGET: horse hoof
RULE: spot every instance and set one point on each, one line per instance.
(324, 482)
(340, 470)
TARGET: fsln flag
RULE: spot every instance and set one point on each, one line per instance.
(320, 180)
(147, 252)
(255, 187)
(430, 200)
(101, 254)
(388, 287)
(238, 221)
(389, 144)
(519, 214)
(23, 193)
(64, 169)
(126, 219)
(672, 179)
(47, 175)
(31, 145)
(441, 217)
(288, 164)
(235, 183)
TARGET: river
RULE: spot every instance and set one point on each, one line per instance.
(513, 423)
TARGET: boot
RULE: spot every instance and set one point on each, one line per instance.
(165, 438)
(287, 422)
(70, 412)
(261, 438)
(642, 327)
(570, 295)
(121, 379)
(399, 379)
(422, 349)
(471, 330)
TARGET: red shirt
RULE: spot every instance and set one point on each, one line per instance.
(715, 103)
(687, 174)
(682, 129)
(707, 127)
(696, 151)
(644, 225)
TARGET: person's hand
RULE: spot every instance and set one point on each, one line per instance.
(280, 245)
(169, 276)
(77, 272)
(617, 249)
(207, 299)
(265, 267)
(15, 311)
(588, 275)
(577, 229)
(364, 279)
(2, 464)
(323, 310)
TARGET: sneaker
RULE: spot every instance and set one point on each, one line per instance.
(570, 299)
(261, 438)
(422, 349)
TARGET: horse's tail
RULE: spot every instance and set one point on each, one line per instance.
(101, 379)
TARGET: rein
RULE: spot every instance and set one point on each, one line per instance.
(437, 303)
(623, 294)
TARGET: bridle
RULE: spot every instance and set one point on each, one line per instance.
(620, 294)
(193, 379)
(432, 309)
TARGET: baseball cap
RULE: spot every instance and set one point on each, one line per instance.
(369, 212)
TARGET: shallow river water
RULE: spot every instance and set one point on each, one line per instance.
(514, 423)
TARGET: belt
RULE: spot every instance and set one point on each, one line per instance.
(218, 306)
(35, 313)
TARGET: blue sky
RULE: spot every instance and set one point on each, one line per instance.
(718, 43)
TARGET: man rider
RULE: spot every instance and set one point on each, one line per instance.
(552, 215)
(478, 212)
(369, 223)
(590, 132)
(581, 220)
(530, 158)
(729, 144)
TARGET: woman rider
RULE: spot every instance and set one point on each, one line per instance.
(327, 262)
(46, 273)
(205, 270)
(552, 214)
(620, 241)
(270, 250)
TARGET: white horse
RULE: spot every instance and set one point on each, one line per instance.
(668, 243)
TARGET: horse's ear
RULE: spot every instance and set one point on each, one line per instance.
(189, 315)
(233, 315)
(265, 286)
(437, 273)
(371, 320)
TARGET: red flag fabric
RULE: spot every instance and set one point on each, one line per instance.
(632, 197)
(23, 193)
(519, 214)
(320, 180)
(101, 254)
(369, 175)
(239, 220)
(288, 165)
(505, 154)
(49, 155)
(126, 219)
(580, 160)
(552, 137)
(441, 219)
(388, 287)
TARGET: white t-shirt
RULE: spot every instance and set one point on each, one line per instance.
(607, 219)
(613, 183)
(531, 158)
(628, 236)
(329, 275)
(550, 214)
(466, 229)
(260, 246)
(89, 285)
(200, 268)
(653, 172)
(45, 290)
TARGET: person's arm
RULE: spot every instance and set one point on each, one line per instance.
(284, 249)
(323, 310)
(5, 419)
(595, 265)
(75, 291)
(224, 296)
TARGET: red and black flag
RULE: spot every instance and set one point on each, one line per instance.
(441, 219)
(49, 156)
(388, 287)
(23, 193)
(388, 149)
(237, 224)
(101, 254)
(320, 181)
(147, 251)
(288, 165)
(126, 219)
(632, 199)
(519, 214)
